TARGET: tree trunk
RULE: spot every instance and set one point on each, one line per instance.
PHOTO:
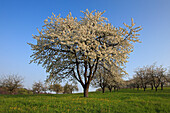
(86, 89)
(137, 87)
(162, 86)
(156, 88)
(151, 87)
(144, 88)
(103, 89)
(110, 89)
(114, 89)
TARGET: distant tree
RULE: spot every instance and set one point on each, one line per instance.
(64, 45)
(136, 82)
(165, 79)
(105, 79)
(157, 75)
(44, 88)
(114, 85)
(24, 91)
(37, 87)
(141, 73)
(101, 79)
(68, 89)
(73, 88)
(151, 75)
(110, 87)
(11, 82)
(130, 83)
(168, 77)
(115, 82)
(56, 87)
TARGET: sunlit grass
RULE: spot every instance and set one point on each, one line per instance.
(124, 101)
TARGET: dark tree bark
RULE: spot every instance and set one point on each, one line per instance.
(156, 85)
(162, 84)
(144, 87)
(110, 88)
(103, 89)
(114, 88)
(137, 87)
(117, 89)
(87, 78)
(86, 89)
(156, 88)
(151, 86)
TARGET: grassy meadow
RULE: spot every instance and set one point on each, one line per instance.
(123, 101)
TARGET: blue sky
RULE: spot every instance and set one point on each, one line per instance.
(19, 19)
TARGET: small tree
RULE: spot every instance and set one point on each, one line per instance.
(44, 88)
(115, 81)
(37, 87)
(151, 75)
(141, 73)
(68, 89)
(101, 79)
(65, 45)
(136, 81)
(11, 82)
(165, 79)
(56, 87)
(157, 75)
(24, 91)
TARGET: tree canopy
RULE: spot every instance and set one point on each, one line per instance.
(72, 48)
(11, 82)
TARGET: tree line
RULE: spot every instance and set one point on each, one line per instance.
(149, 76)
(152, 76)
(38, 87)
(13, 84)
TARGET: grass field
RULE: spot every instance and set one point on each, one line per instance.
(124, 101)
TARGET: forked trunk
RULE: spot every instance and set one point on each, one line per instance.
(156, 88)
(110, 89)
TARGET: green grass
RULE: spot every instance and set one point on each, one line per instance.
(124, 101)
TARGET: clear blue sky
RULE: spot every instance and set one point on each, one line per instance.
(20, 18)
